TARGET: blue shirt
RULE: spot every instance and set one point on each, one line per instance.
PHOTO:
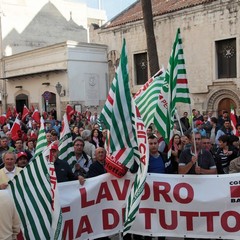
(156, 164)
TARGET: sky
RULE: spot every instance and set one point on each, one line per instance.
(112, 7)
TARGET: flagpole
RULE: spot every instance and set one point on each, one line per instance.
(179, 122)
(193, 133)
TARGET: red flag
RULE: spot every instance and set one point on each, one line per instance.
(15, 113)
(69, 111)
(33, 109)
(36, 116)
(3, 119)
(45, 115)
(15, 129)
(33, 135)
(25, 112)
(233, 120)
(9, 113)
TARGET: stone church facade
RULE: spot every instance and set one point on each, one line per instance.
(211, 42)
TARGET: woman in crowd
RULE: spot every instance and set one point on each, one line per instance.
(96, 138)
(225, 153)
(176, 150)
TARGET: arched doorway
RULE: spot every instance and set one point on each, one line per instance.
(21, 100)
(225, 104)
(222, 99)
(49, 102)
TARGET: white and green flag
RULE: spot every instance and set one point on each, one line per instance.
(171, 92)
(147, 96)
(66, 150)
(41, 140)
(127, 134)
(35, 195)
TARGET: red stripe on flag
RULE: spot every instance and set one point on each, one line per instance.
(182, 81)
(120, 153)
(110, 99)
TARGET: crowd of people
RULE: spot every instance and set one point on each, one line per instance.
(201, 144)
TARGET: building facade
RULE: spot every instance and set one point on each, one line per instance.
(30, 34)
(79, 69)
(211, 42)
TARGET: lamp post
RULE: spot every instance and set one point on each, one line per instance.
(59, 90)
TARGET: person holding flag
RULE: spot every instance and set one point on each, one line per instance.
(201, 162)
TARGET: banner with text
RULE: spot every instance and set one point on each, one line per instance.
(172, 205)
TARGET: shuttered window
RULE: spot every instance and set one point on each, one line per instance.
(226, 57)
(141, 68)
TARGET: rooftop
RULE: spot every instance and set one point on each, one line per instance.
(159, 7)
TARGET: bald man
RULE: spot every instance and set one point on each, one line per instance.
(97, 168)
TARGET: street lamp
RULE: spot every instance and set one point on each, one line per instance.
(58, 88)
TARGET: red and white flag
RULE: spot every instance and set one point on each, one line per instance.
(25, 112)
(36, 116)
(16, 127)
(9, 113)
(15, 113)
(3, 119)
(69, 111)
(233, 120)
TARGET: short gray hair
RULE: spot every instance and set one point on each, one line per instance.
(86, 134)
(8, 152)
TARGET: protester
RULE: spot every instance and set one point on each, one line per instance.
(206, 125)
(149, 130)
(224, 130)
(186, 141)
(75, 133)
(234, 166)
(94, 118)
(63, 170)
(57, 128)
(10, 170)
(4, 148)
(214, 129)
(97, 168)
(222, 118)
(162, 146)
(185, 121)
(199, 128)
(197, 116)
(83, 160)
(20, 148)
(199, 162)
(9, 219)
(226, 152)
(158, 162)
(176, 151)
(49, 137)
(31, 146)
(89, 148)
(96, 138)
(22, 159)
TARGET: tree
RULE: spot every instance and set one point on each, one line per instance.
(151, 41)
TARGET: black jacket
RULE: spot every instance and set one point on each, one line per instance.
(63, 171)
(96, 169)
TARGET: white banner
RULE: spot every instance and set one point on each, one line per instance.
(172, 205)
